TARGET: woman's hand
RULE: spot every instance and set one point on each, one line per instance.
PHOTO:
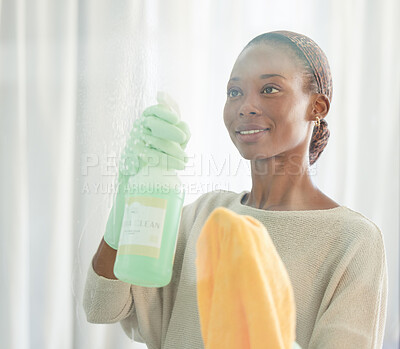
(158, 137)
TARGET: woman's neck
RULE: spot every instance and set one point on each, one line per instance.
(285, 188)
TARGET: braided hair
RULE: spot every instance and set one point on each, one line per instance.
(317, 76)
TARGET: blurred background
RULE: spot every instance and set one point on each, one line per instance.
(74, 75)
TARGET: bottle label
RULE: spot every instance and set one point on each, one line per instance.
(143, 225)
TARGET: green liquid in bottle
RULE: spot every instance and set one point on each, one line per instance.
(147, 244)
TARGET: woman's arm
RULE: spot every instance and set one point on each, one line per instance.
(104, 259)
(106, 299)
(353, 312)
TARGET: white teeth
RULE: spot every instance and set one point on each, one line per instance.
(250, 132)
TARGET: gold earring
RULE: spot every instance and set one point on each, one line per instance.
(317, 122)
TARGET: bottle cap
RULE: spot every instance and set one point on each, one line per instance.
(165, 99)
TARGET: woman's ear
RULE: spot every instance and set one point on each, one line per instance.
(321, 106)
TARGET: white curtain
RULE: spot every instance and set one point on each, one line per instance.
(75, 74)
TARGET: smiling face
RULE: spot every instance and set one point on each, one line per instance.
(266, 92)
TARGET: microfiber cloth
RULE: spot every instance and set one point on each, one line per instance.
(245, 297)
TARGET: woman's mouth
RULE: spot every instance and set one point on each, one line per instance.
(251, 135)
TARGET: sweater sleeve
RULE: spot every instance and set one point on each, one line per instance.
(105, 301)
(143, 312)
(353, 310)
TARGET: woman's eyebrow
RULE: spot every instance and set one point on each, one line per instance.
(263, 76)
(266, 76)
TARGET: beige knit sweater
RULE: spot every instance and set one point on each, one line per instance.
(335, 259)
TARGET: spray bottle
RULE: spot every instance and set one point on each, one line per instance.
(153, 204)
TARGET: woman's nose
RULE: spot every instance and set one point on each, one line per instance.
(249, 108)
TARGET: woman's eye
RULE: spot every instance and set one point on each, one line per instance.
(233, 93)
(270, 90)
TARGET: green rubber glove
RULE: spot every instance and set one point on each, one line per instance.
(158, 137)
(163, 135)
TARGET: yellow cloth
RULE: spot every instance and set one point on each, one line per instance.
(245, 297)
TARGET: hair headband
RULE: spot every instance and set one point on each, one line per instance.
(316, 58)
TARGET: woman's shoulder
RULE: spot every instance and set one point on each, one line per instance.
(213, 199)
(352, 230)
(357, 223)
(352, 222)
(349, 221)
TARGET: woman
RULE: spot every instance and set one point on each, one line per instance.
(278, 96)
